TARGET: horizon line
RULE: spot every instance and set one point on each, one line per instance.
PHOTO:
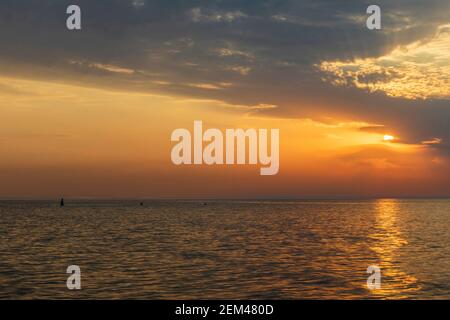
(443, 197)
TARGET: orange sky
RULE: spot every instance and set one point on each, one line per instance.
(90, 112)
(65, 139)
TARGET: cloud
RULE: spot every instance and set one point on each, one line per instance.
(102, 67)
(202, 15)
(268, 50)
(416, 71)
(432, 141)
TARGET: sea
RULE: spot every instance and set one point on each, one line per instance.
(233, 249)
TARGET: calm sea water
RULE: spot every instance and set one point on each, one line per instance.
(226, 250)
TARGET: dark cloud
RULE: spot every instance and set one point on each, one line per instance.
(254, 52)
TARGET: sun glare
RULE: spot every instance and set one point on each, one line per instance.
(388, 137)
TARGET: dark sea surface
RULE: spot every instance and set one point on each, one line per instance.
(225, 249)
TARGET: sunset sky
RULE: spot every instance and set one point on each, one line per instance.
(89, 113)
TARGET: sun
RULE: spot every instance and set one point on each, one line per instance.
(388, 137)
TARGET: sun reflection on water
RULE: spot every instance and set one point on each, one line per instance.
(388, 243)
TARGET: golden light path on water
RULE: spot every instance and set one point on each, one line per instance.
(388, 242)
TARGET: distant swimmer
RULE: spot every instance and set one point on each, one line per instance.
(61, 204)
(142, 204)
